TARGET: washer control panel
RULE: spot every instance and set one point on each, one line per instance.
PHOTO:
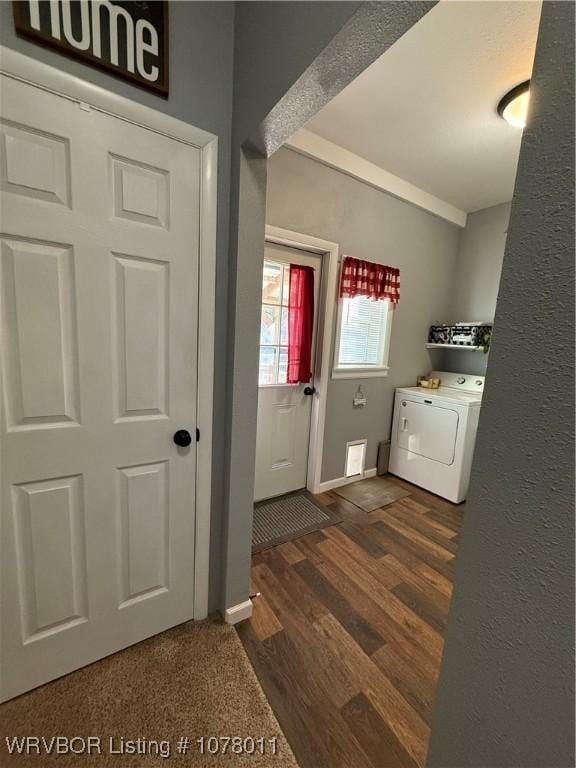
(465, 382)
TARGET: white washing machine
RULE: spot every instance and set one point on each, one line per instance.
(434, 431)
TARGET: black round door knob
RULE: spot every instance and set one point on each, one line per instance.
(309, 390)
(183, 438)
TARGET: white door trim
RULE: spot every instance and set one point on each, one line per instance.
(323, 364)
(33, 72)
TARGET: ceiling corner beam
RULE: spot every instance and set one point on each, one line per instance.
(311, 145)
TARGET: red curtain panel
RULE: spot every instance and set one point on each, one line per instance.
(300, 324)
(364, 278)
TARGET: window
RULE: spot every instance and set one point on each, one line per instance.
(274, 324)
(362, 338)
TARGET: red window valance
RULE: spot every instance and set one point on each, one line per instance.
(364, 278)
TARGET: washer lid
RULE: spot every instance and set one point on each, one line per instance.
(443, 394)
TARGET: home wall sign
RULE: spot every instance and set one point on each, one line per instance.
(126, 38)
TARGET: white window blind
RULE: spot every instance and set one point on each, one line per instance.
(363, 333)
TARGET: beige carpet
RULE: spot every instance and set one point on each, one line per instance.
(192, 681)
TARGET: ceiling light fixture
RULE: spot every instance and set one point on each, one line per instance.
(514, 106)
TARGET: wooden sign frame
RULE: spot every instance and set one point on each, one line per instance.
(160, 88)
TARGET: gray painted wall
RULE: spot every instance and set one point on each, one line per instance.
(290, 58)
(463, 361)
(266, 64)
(275, 43)
(477, 279)
(201, 70)
(506, 693)
(309, 197)
(480, 264)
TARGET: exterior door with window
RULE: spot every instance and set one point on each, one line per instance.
(98, 343)
(284, 410)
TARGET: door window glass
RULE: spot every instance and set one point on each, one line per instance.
(274, 324)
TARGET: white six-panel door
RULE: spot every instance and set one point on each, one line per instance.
(99, 295)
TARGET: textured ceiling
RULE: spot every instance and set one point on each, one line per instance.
(426, 109)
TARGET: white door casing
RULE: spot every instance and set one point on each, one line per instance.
(283, 427)
(329, 253)
(99, 269)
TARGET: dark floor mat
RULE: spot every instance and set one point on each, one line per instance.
(288, 517)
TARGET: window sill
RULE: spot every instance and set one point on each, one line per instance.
(359, 373)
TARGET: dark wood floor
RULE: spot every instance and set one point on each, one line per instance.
(347, 636)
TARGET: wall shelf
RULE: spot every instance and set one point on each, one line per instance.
(454, 346)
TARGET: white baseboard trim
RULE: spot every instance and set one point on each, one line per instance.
(339, 481)
(239, 612)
